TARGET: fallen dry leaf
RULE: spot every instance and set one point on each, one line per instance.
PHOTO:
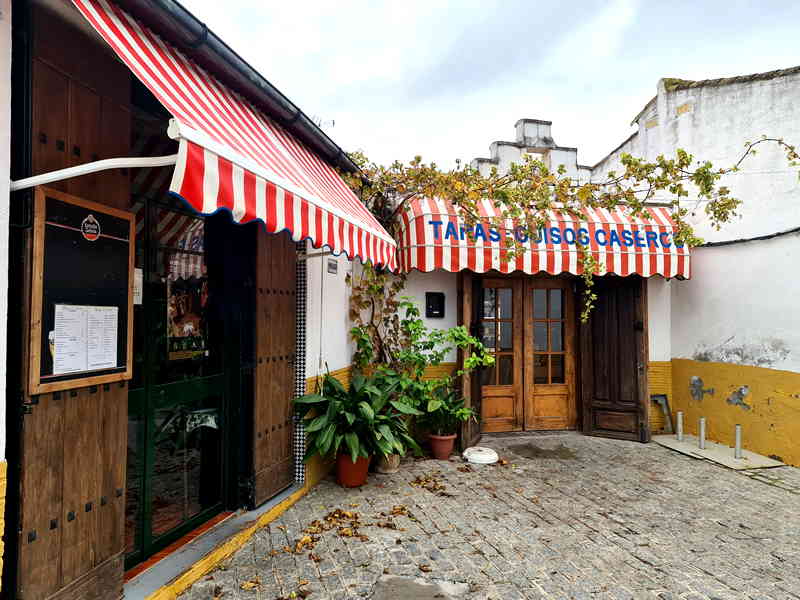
(251, 584)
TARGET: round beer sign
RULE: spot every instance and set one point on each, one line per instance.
(90, 228)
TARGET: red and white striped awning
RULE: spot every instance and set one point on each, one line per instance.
(434, 236)
(232, 156)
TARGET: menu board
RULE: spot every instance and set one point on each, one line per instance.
(84, 338)
(82, 296)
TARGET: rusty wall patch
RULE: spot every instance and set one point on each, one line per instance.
(696, 389)
(738, 396)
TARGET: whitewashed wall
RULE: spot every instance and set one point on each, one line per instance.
(327, 325)
(659, 318)
(739, 306)
(5, 166)
(436, 281)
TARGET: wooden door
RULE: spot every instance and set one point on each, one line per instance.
(72, 444)
(613, 354)
(549, 354)
(468, 293)
(500, 330)
(273, 430)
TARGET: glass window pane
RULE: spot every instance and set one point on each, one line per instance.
(557, 337)
(540, 336)
(506, 336)
(489, 335)
(557, 366)
(540, 368)
(539, 304)
(487, 375)
(556, 304)
(489, 303)
(506, 370)
(506, 303)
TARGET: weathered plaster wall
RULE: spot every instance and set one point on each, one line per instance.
(5, 165)
(437, 281)
(740, 305)
(734, 325)
(765, 402)
(328, 325)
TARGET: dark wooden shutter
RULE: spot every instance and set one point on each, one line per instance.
(273, 464)
(613, 361)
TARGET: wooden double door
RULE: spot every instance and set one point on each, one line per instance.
(529, 327)
(553, 372)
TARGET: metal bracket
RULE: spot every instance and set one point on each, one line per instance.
(663, 403)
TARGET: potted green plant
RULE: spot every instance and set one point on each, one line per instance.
(444, 413)
(355, 424)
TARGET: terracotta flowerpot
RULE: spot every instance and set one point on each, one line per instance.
(349, 473)
(388, 464)
(442, 445)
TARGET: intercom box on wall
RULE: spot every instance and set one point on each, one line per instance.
(434, 305)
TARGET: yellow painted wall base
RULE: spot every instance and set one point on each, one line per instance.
(3, 472)
(771, 421)
(316, 470)
(659, 381)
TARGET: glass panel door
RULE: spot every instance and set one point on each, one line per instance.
(176, 404)
(500, 330)
(549, 350)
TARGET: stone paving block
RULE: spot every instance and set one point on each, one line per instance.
(619, 520)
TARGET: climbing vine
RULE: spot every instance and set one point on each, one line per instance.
(526, 193)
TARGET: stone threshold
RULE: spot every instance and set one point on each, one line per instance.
(173, 574)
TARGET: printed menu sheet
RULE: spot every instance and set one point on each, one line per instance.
(85, 338)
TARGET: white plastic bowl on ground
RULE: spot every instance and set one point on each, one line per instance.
(480, 455)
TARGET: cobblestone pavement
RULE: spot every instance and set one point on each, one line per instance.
(568, 517)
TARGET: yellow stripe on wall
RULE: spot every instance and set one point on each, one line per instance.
(769, 412)
(659, 381)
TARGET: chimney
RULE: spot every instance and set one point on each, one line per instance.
(534, 133)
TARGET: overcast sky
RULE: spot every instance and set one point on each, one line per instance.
(445, 78)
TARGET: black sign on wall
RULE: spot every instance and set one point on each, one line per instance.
(82, 293)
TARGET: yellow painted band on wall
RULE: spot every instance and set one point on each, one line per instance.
(659, 381)
(316, 470)
(3, 483)
(770, 420)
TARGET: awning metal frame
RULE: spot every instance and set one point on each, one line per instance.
(133, 162)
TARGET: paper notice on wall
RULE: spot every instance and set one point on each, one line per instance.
(138, 285)
(101, 346)
(84, 338)
(69, 343)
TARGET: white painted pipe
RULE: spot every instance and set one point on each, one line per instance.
(737, 452)
(679, 425)
(131, 162)
(702, 440)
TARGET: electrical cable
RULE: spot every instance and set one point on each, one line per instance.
(768, 236)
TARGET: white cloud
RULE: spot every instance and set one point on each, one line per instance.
(445, 78)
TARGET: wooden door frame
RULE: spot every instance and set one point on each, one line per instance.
(642, 352)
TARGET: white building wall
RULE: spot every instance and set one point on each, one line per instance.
(5, 170)
(436, 281)
(659, 319)
(327, 322)
(739, 306)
